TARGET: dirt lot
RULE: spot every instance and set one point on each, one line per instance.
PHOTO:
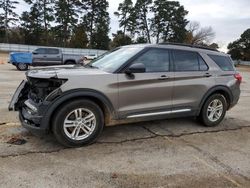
(170, 153)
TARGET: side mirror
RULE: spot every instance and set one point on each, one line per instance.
(136, 68)
(34, 53)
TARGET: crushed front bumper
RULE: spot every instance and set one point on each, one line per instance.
(28, 124)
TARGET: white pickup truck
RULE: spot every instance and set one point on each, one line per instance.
(43, 57)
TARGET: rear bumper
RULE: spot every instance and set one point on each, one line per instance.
(236, 97)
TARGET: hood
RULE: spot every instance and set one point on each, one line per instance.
(63, 72)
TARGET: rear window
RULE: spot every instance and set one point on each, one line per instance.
(223, 62)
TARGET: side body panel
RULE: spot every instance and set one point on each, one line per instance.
(146, 92)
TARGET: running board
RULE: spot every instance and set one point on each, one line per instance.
(159, 113)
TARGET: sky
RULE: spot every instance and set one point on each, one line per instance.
(228, 18)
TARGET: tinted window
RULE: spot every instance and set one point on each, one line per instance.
(185, 61)
(52, 51)
(41, 51)
(155, 60)
(203, 65)
(223, 62)
(188, 61)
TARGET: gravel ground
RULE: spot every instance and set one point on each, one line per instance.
(169, 153)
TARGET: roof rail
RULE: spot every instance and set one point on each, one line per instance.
(189, 45)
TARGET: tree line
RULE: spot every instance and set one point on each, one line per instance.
(86, 23)
(240, 49)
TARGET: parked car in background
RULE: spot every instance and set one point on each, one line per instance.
(129, 84)
(90, 57)
(43, 57)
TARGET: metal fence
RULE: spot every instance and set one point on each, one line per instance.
(29, 48)
(239, 62)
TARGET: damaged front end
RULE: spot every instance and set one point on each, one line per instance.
(32, 99)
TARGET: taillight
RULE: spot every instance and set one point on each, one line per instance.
(238, 77)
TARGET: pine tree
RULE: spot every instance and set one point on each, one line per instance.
(44, 15)
(31, 26)
(96, 21)
(168, 23)
(126, 16)
(119, 39)
(66, 16)
(8, 17)
(79, 37)
(142, 8)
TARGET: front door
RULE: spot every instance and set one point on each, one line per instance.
(149, 93)
(39, 57)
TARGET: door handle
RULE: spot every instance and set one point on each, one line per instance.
(207, 75)
(163, 77)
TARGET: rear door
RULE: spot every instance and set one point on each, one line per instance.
(192, 80)
(149, 93)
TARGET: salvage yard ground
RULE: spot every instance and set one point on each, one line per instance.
(169, 153)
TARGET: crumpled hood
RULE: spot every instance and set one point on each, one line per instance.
(63, 72)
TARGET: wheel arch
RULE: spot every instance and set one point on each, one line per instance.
(223, 90)
(69, 60)
(99, 98)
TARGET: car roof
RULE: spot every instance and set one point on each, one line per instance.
(179, 46)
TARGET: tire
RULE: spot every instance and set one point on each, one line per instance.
(209, 116)
(70, 63)
(63, 130)
(22, 66)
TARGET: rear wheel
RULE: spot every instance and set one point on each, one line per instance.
(78, 123)
(214, 110)
(22, 66)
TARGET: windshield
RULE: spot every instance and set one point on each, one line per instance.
(111, 61)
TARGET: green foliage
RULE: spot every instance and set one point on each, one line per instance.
(141, 40)
(142, 8)
(240, 49)
(96, 21)
(31, 26)
(120, 39)
(7, 17)
(66, 17)
(79, 37)
(168, 23)
(126, 16)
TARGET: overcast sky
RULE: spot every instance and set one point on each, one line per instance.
(229, 18)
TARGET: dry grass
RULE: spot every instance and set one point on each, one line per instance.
(4, 57)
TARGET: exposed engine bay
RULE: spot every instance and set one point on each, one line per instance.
(39, 88)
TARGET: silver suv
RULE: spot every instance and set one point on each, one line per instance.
(128, 84)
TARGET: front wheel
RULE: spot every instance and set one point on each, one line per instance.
(78, 123)
(22, 66)
(214, 110)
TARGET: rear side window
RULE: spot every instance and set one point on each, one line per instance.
(188, 61)
(223, 62)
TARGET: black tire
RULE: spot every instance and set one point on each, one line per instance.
(204, 117)
(61, 115)
(22, 66)
(70, 63)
